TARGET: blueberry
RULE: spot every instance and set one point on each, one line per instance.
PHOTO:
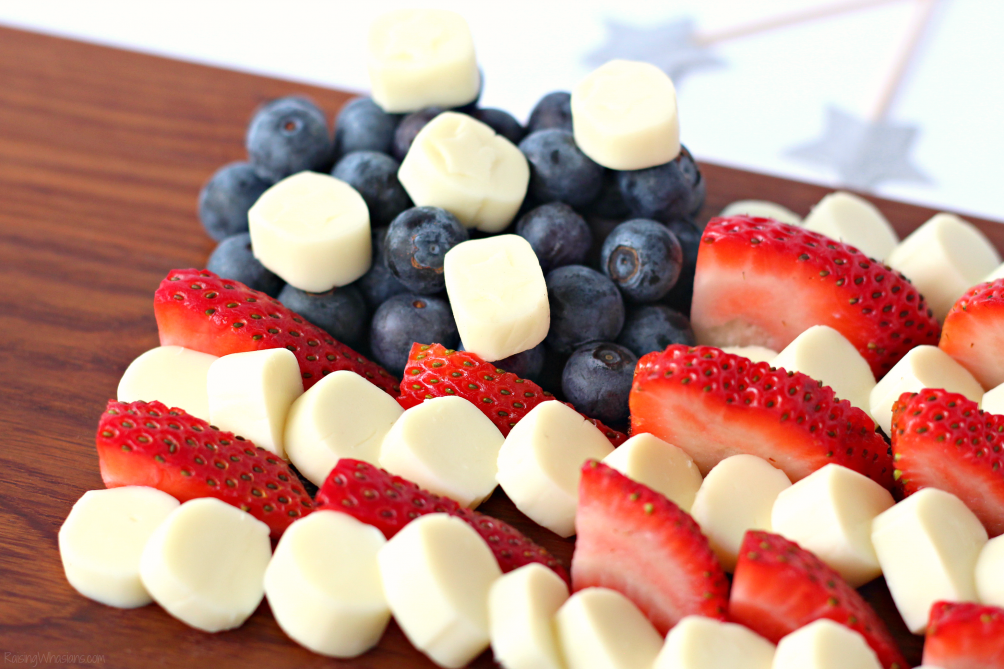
(597, 381)
(557, 234)
(502, 123)
(559, 170)
(409, 128)
(664, 192)
(226, 198)
(374, 175)
(362, 126)
(585, 307)
(417, 242)
(653, 327)
(379, 283)
(689, 236)
(526, 365)
(341, 312)
(554, 110)
(609, 203)
(643, 258)
(287, 136)
(232, 259)
(405, 319)
(550, 375)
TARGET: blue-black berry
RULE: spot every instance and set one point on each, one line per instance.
(503, 123)
(689, 236)
(232, 259)
(362, 126)
(526, 364)
(374, 175)
(643, 258)
(378, 284)
(585, 307)
(287, 136)
(653, 327)
(664, 192)
(554, 110)
(341, 312)
(405, 319)
(417, 242)
(609, 204)
(226, 198)
(409, 128)
(557, 234)
(597, 381)
(559, 170)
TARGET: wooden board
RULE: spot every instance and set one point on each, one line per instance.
(102, 154)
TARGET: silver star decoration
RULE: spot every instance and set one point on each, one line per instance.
(672, 47)
(863, 153)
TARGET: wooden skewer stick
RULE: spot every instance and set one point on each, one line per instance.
(907, 50)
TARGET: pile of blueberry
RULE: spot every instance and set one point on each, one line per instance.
(618, 249)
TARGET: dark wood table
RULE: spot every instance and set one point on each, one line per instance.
(102, 154)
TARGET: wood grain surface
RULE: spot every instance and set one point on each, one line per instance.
(102, 154)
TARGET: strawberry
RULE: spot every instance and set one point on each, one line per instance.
(714, 404)
(634, 540)
(778, 587)
(762, 282)
(376, 497)
(147, 443)
(435, 371)
(942, 440)
(973, 333)
(965, 636)
(199, 310)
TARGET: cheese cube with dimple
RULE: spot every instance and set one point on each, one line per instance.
(697, 642)
(990, 573)
(445, 445)
(998, 273)
(830, 513)
(173, 375)
(737, 495)
(498, 295)
(540, 463)
(101, 541)
(853, 220)
(521, 606)
(600, 628)
(922, 367)
(754, 353)
(313, 230)
(664, 468)
(927, 546)
(205, 564)
(943, 258)
(341, 416)
(993, 400)
(437, 573)
(825, 644)
(422, 58)
(323, 584)
(825, 355)
(459, 164)
(762, 209)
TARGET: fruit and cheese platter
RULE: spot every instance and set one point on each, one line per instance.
(433, 386)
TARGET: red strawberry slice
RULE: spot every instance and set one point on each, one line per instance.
(376, 497)
(199, 310)
(714, 404)
(762, 282)
(147, 443)
(436, 371)
(778, 587)
(965, 636)
(634, 540)
(973, 333)
(942, 440)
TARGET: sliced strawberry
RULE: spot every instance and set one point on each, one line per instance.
(942, 440)
(762, 282)
(965, 636)
(199, 310)
(973, 333)
(714, 404)
(436, 371)
(376, 497)
(778, 587)
(634, 540)
(147, 443)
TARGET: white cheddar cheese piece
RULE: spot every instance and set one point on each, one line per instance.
(205, 564)
(762, 209)
(853, 220)
(540, 462)
(697, 642)
(521, 606)
(830, 513)
(624, 116)
(101, 541)
(754, 353)
(250, 394)
(998, 273)
(498, 295)
(993, 400)
(825, 644)
(341, 416)
(602, 629)
(436, 575)
(661, 466)
(323, 584)
(445, 445)
(459, 164)
(313, 230)
(928, 545)
(825, 355)
(990, 573)
(922, 367)
(173, 375)
(737, 495)
(943, 258)
(422, 58)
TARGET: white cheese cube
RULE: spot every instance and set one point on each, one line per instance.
(990, 573)
(754, 353)
(173, 375)
(762, 209)
(998, 273)
(853, 220)
(602, 629)
(825, 644)
(704, 643)
(521, 606)
(661, 466)
(993, 400)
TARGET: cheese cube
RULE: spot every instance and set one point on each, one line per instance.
(993, 400)
(662, 467)
(602, 629)
(825, 644)
(754, 353)
(521, 606)
(762, 209)
(990, 573)
(173, 375)
(853, 220)
(704, 643)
